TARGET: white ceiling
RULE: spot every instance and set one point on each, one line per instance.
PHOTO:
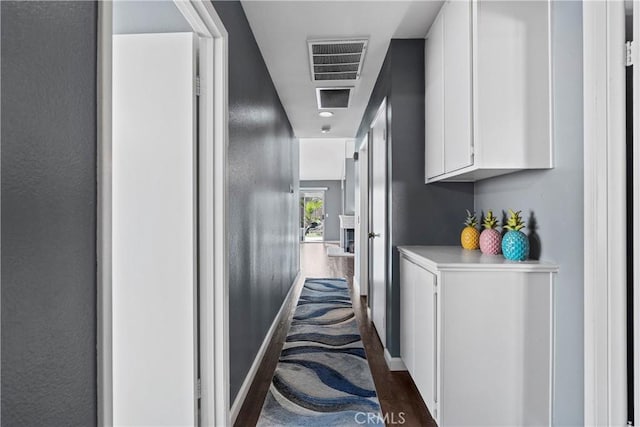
(282, 29)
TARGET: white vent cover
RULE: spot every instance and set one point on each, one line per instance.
(333, 97)
(336, 59)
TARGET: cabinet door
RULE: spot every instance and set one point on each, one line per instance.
(434, 100)
(425, 334)
(513, 85)
(457, 86)
(407, 321)
(497, 348)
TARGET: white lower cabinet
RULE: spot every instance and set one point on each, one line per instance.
(476, 335)
(417, 339)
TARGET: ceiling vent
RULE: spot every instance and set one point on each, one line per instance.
(336, 59)
(333, 97)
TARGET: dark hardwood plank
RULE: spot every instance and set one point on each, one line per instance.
(399, 399)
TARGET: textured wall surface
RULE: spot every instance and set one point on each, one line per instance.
(263, 215)
(48, 213)
(555, 199)
(332, 206)
(419, 214)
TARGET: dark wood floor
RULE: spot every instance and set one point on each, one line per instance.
(397, 393)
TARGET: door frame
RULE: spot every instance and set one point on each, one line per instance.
(213, 272)
(605, 376)
(363, 218)
(318, 190)
(369, 219)
(636, 213)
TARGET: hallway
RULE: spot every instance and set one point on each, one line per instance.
(398, 396)
(151, 256)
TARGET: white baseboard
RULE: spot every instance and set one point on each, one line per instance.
(394, 363)
(280, 317)
(368, 312)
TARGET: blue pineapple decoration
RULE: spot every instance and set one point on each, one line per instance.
(515, 244)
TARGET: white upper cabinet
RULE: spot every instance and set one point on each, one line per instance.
(488, 90)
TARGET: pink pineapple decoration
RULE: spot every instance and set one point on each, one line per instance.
(490, 238)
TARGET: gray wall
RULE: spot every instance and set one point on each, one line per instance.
(132, 17)
(332, 206)
(349, 187)
(555, 198)
(263, 215)
(48, 213)
(418, 214)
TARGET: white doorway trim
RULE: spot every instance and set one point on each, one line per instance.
(305, 193)
(213, 280)
(605, 376)
(362, 218)
(636, 212)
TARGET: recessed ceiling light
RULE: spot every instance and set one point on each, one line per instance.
(325, 129)
(325, 114)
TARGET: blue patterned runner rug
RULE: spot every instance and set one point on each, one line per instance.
(322, 377)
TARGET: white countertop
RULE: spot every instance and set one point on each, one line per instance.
(455, 258)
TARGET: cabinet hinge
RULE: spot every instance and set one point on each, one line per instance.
(199, 389)
(198, 87)
(629, 53)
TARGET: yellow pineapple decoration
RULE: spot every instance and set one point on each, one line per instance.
(470, 237)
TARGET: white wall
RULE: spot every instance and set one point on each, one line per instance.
(555, 197)
(324, 158)
(134, 17)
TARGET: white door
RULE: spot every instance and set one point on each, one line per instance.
(154, 230)
(362, 251)
(378, 226)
